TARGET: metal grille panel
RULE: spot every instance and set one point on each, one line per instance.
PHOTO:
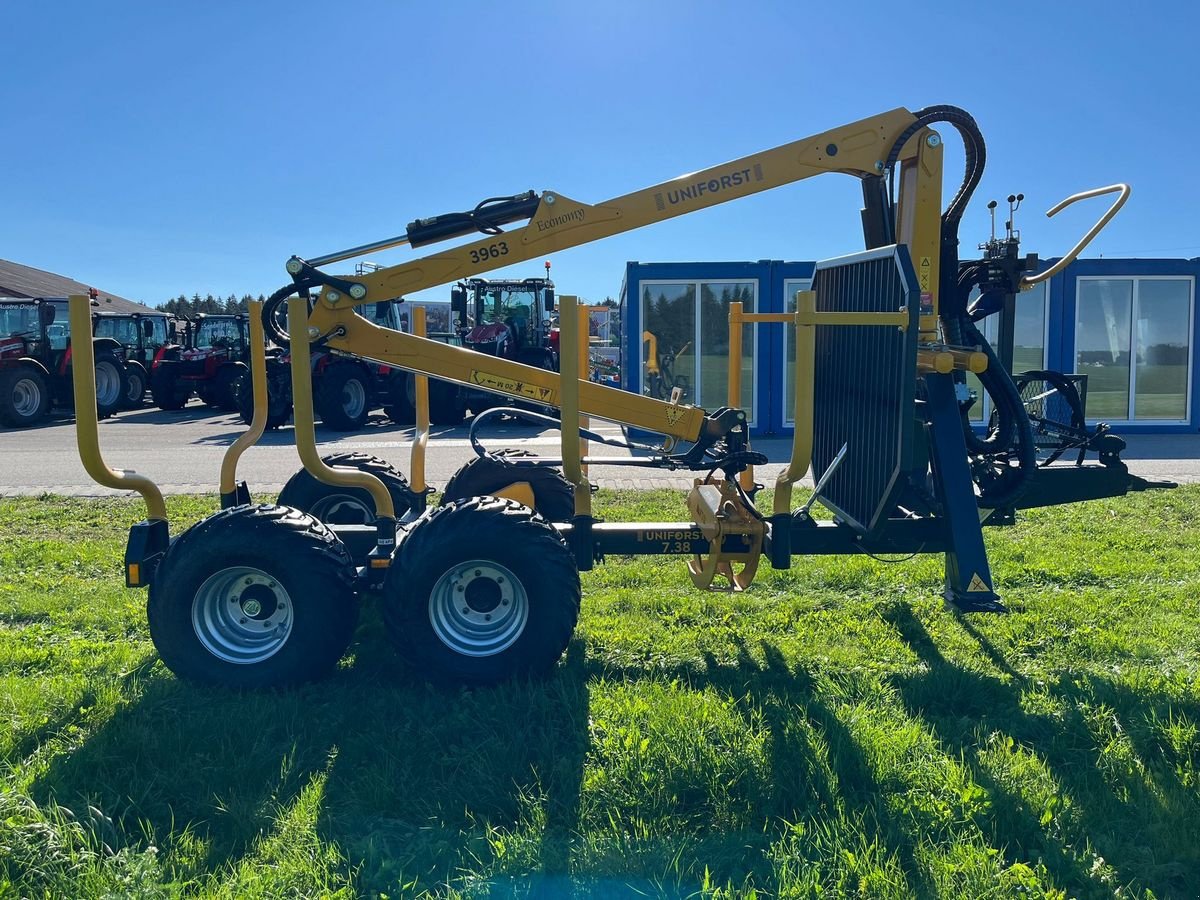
(865, 383)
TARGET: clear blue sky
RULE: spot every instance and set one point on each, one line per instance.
(159, 148)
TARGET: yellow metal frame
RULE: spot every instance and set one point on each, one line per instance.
(258, 424)
(416, 478)
(569, 363)
(87, 423)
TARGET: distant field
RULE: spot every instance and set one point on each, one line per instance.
(832, 732)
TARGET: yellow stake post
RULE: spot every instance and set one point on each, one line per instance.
(258, 424)
(568, 324)
(421, 401)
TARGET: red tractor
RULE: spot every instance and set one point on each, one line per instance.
(210, 363)
(35, 362)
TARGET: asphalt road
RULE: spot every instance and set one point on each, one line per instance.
(182, 451)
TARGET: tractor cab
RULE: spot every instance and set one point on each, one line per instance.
(509, 319)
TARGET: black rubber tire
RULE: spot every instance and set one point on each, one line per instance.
(1055, 413)
(401, 407)
(483, 476)
(116, 399)
(306, 559)
(446, 406)
(138, 381)
(483, 529)
(279, 397)
(347, 506)
(225, 386)
(165, 389)
(331, 400)
(10, 379)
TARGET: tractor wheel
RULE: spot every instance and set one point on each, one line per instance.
(226, 385)
(553, 496)
(402, 399)
(112, 383)
(480, 591)
(24, 396)
(166, 390)
(343, 395)
(346, 506)
(136, 393)
(279, 400)
(446, 406)
(254, 596)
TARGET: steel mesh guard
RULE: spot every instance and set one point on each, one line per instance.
(865, 384)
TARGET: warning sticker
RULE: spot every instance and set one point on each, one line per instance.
(977, 586)
(925, 273)
(536, 392)
(674, 414)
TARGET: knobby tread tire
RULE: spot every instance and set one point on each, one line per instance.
(304, 492)
(328, 396)
(553, 496)
(279, 398)
(301, 553)
(486, 528)
(165, 389)
(8, 382)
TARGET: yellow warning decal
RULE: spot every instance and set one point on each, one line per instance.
(977, 586)
(536, 392)
(674, 414)
(923, 272)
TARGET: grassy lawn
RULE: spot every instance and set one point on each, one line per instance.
(832, 732)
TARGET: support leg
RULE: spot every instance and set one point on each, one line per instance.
(968, 576)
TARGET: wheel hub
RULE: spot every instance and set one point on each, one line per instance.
(242, 615)
(27, 397)
(478, 608)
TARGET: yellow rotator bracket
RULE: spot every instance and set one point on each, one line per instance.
(301, 332)
(724, 520)
(148, 540)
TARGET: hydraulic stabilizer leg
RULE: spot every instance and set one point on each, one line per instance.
(968, 576)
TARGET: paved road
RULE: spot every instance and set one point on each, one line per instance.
(182, 452)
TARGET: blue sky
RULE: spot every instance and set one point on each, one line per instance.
(161, 148)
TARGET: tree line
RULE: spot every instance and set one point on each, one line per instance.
(209, 305)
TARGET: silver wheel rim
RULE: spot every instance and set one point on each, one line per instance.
(478, 608)
(26, 397)
(242, 615)
(354, 398)
(342, 509)
(137, 388)
(108, 384)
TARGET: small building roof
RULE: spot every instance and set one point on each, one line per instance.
(17, 280)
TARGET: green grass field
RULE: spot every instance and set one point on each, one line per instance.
(832, 732)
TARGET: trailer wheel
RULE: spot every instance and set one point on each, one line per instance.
(480, 591)
(165, 389)
(343, 396)
(553, 495)
(24, 396)
(135, 393)
(253, 596)
(279, 400)
(112, 385)
(346, 506)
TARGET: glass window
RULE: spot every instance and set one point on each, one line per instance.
(218, 333)
(159, 336)
(1029, 330)
(1103, 314)
(668, 339)
(1163, 343)
(715, 298)
(790, 287)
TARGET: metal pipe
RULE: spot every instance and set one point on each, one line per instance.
(733, 396)
(258, 376)
(568, 325)
(585, 421)
(421, 402)
(802, 436)
(306, 430)
(1030, 280)
(87, 423)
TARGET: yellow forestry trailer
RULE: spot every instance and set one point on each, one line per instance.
(482, 588)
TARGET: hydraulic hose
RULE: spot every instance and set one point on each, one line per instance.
(271, 308)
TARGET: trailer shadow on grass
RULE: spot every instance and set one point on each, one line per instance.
(1117, 812)
(413, 774)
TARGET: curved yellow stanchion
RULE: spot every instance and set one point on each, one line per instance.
(87, 426)
(568, 362)
(1030, 280)
(258, 374)
(306, 429)
(416, 477)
